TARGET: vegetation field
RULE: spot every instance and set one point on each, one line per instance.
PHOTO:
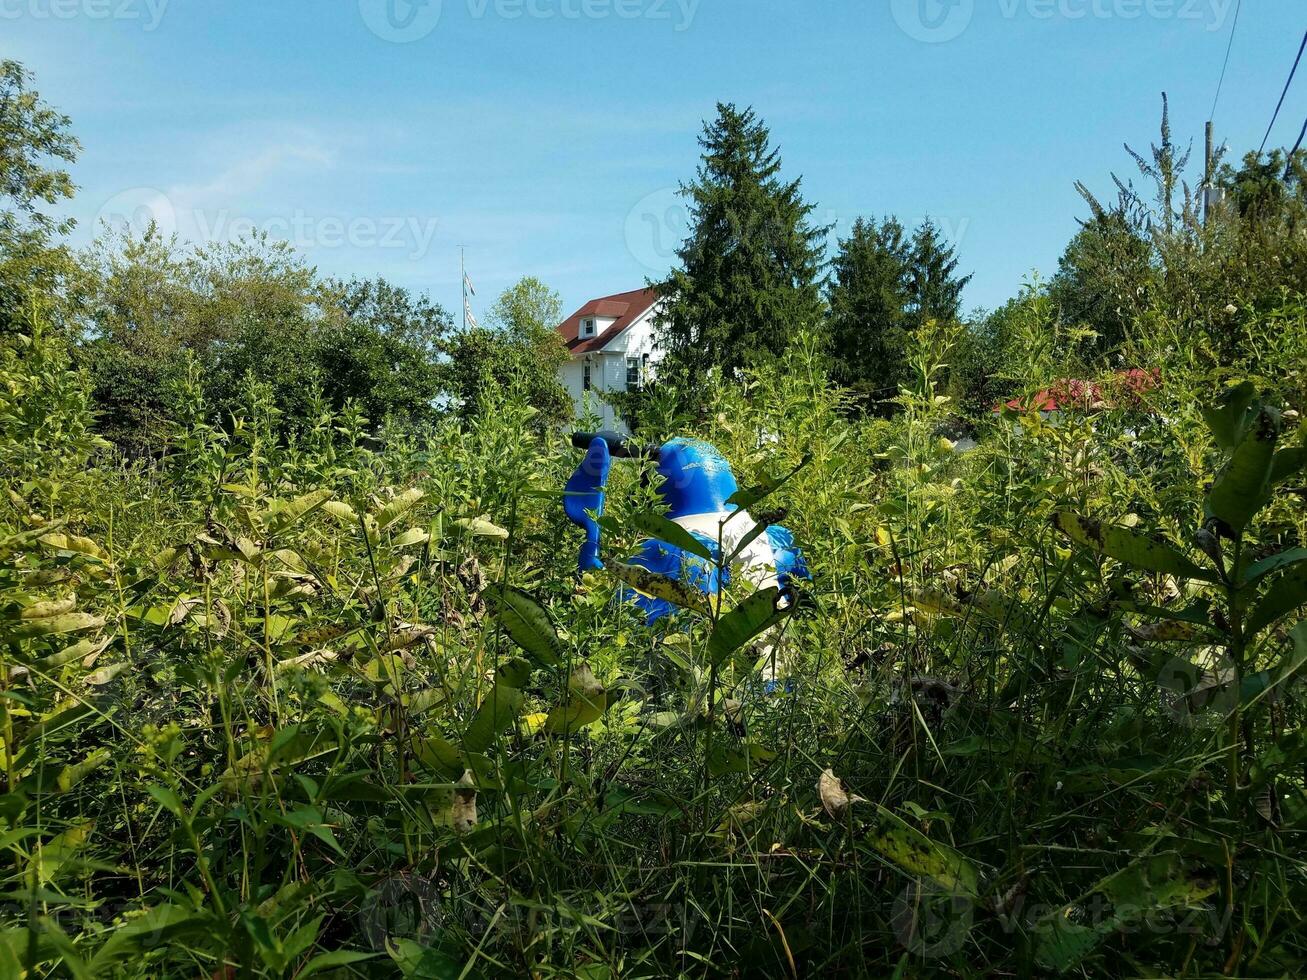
(297, 677)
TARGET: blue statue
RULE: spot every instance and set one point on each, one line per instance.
(697, 484)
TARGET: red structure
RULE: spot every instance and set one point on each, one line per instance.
(1126, 389)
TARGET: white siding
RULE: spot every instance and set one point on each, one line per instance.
(608, 369)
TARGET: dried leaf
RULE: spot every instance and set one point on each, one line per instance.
(835, 799)
(465, 803)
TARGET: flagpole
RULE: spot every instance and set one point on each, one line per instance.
(462, 275)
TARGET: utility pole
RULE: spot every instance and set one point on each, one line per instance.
(1207, 174)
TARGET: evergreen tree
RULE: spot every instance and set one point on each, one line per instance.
(750, 268)
(886, 286)
(868, 299)
(936, 291)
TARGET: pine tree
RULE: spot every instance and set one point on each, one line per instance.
(750, 268)
(868, 298)
(936, 287)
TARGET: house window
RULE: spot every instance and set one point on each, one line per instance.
(633, 373)
(587, 328)
(585, 376)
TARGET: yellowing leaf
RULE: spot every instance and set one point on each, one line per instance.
(918, 855)
(104, 675)
(73, 543)
(481, 527)
(398, 507)
(343, 512)
(586, 702)
(659, 586)
(414, 535)
(55, 625)
(54, 607)
(281, 516)
(70, 776)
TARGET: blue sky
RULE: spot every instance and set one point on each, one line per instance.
(548, 136)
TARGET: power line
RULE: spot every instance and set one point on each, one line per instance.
(1288, 167)
(1233, 27)
(1287, 83)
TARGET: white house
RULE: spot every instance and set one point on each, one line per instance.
(611, 343)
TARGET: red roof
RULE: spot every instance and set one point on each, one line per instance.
(627, 307)
(1126, 388)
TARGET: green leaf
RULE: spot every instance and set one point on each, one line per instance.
(1287, 462)
(746, 497)
(918, 855)
(71, 775)
(659, 527)
(167, 799)
(414, 535)
(743, 759)
(54, 625)
(342, 512)
(1284, 595)
(156, 929)
(1228, 418)
(418, 962)
(78, 651)
(49, 608)
(1198, 613)
(398, 507)
(438, 754)
(527, 622)
(1060, 943)
(1127, 546)
(756, 614)
(1243, 486)
(281, 516)
(1147, 884)
(289, 747)
(1255, 686)
(1259, 569)
(497, 712)
(50, 859)
(327, 961)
